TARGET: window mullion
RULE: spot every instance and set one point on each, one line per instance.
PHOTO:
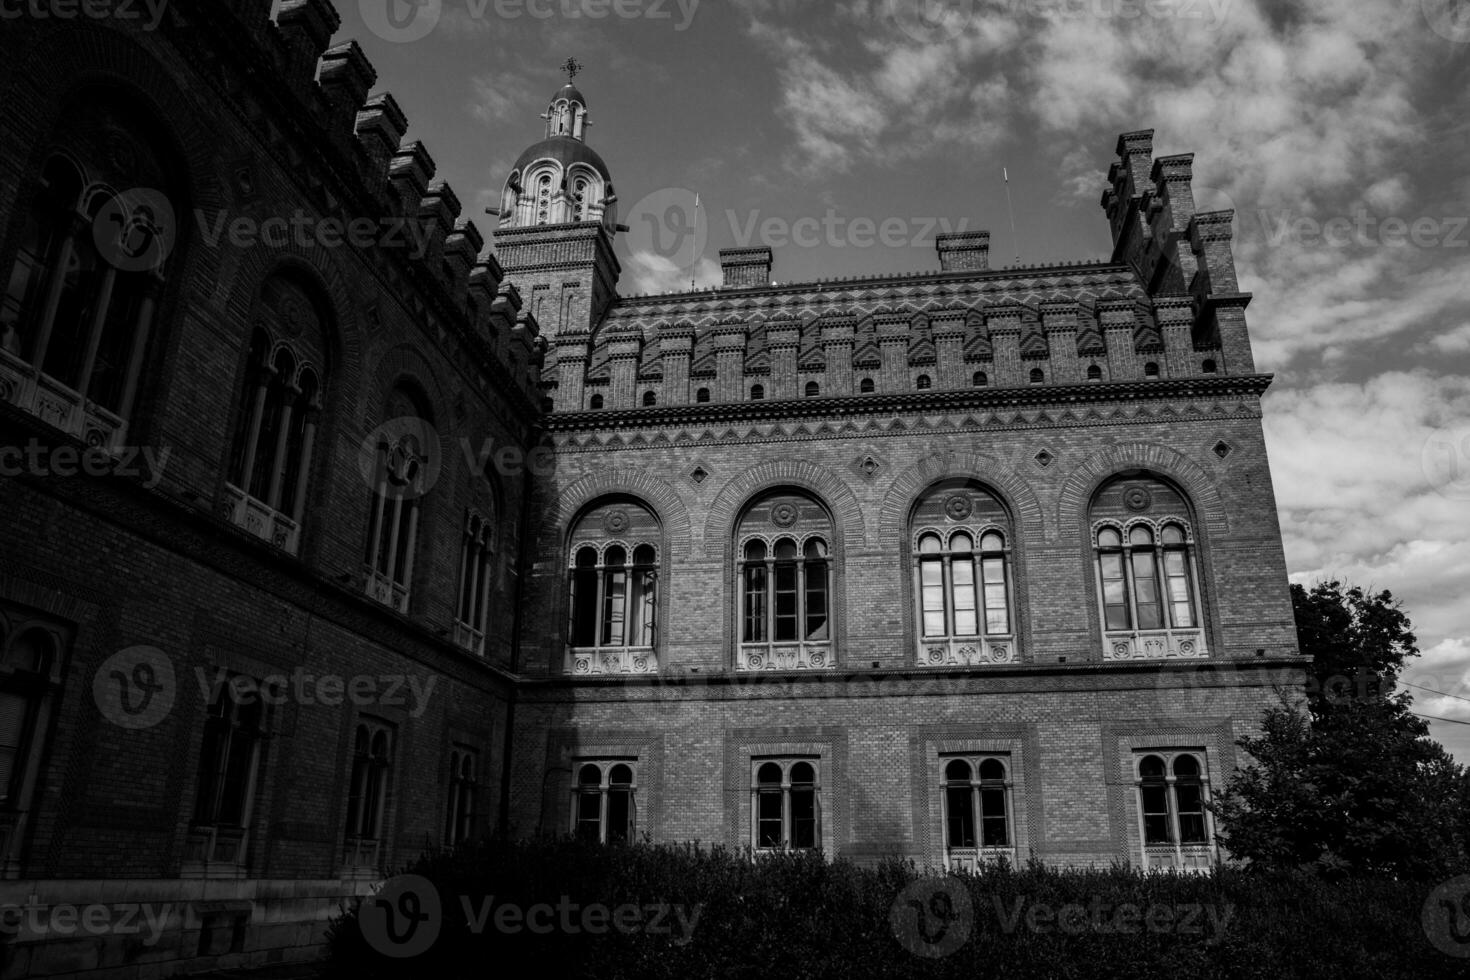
(600, 617)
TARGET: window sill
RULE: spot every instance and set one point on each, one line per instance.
(967, 651)
(595, 661)
(974, 858)
(470, 639)
(1154, 645)
(1196, 858)
(785, 656)
(381, 589)
(54, 403)
(266, 523)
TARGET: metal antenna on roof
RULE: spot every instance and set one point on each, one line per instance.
(1005, 175)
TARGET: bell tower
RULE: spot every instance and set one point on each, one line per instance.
(558, 217)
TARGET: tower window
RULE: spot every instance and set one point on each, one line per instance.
(1037, 376)
(595, 402)
(1094, 373)
(757, 392)
(813, 389)
(1208, 367)
(649, 399)
(1151, 370)
(979, 379)
(702, 395)
(866, 386)
(923, 383)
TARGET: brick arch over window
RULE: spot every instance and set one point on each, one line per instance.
(1115, 461)
(826, 486)
(404, 365)
(1013, 490)
(659, 496)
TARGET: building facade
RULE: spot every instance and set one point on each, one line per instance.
(333, 536)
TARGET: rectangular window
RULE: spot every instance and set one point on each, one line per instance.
(1190, 797)
(1156, 828)
(959, 807)
(755, 603)
(1180, 605)
(803, 816)
(584, 607)
(768, 828)
(1115, 591)
(643, 608)
(931, 577)
(997, 616)
(614, 600)
(1146, 590)
(786, 576)
(816, 601)
(962, 573)
(993, 817)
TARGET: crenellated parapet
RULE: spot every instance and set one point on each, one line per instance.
(1175, 251)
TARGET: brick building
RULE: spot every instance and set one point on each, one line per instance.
(331, 536)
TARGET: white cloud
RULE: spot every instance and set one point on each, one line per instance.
(654, 273)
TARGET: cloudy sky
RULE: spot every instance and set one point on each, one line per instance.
(1337, 129)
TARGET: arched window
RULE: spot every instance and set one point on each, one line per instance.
(923, 383)
(1094, 373)
(367, 794)
(30, 684)
(1151, 370)
(98, 230)
(757, 392)
(229, 766)
(604, 802)
(278, 412)
(979, 379)
(477, 578)
(784, 569)
(1208, 367)
(977, 811)
(649, 399)
(460, 812)
(613, 571)
(702, 395)
(407, 455)
(1174, 821)
(961, 549)
(785, 805)
(595, 402)
(1037, 376)
(866, 387)
(813, 389)
(1147, 577)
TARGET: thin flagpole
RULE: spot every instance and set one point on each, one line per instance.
(693, 245)
(1012, 212)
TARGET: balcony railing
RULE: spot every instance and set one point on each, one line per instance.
(966, 651)
(973, 858)
(1180, 857)
(785, 656)
(266, 523)
(56, 404)
(590, 662)
(1184, 644)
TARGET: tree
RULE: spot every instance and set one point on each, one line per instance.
(1348, 781)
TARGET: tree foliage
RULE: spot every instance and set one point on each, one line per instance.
(1348, 782)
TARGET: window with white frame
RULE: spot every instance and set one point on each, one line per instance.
(460, 812)
(367, 793)
(229, 769)
(98, 225)
(977, 809)
(960, 536)
(784, 573)
(613, 596)
(30, 683)
(605, 801)
(402, 463)
(785, 804)
(1174, 821)
(477, 570)
(1147, 574)
(278, 413)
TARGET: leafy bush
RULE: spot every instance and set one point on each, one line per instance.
(797, 916)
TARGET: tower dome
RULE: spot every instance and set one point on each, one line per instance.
(560, 180)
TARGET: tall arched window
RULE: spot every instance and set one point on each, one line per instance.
(613, 573)
(229, 771)
(460, 812)
(278, 413)
(1175, 825)
(784, 571)
(785, 805)
(866, 387)
(604, 802)
(961, 548)
(977, 811)
(1147, 575)
(30, 682)
(405, 457)
(477, 574)
(97, 232)
(367, 794)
